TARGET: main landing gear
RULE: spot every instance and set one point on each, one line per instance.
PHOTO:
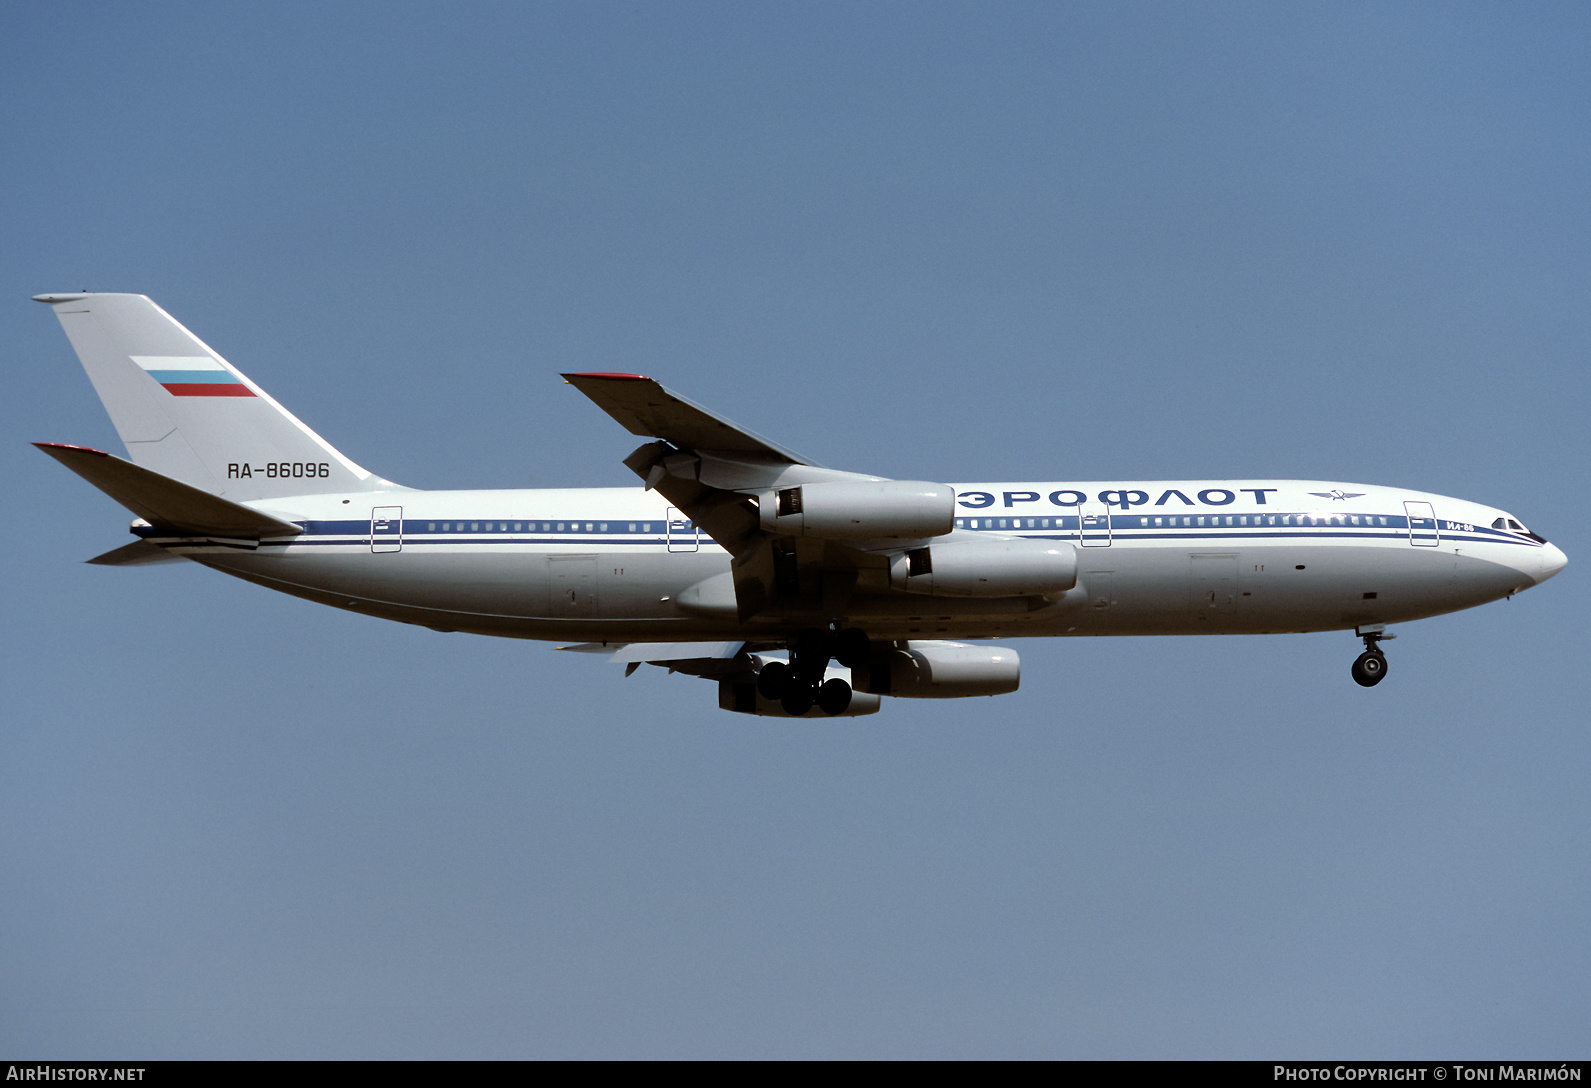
(1370, 667)
(799, 685)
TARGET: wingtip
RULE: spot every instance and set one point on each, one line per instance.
(48, 446)
(605, 376)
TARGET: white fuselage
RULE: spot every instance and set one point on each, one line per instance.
(1188, 557)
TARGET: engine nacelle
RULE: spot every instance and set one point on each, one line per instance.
(861, 510)
(987, 568)
(940, 670)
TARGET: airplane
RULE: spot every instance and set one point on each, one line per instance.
(803, 591)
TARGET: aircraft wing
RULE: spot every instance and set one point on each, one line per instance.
(644, 407)
(626, 653)
(730, 481)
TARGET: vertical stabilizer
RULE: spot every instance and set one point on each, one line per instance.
(185, 412)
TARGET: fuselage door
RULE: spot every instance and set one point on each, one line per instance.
(386, 529)
(1422, 525)
(1094, 524)
(681, 532)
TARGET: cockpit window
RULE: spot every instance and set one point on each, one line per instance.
(1511, 524)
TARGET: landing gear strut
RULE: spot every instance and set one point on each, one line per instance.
(799, 685)
(852, 647)
(1370, 667)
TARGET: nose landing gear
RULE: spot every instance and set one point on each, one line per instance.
(1370, 667)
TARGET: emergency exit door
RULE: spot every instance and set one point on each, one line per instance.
(386, 529)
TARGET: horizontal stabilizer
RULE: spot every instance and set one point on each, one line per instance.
(139, 553)
(163, 502)
(645, 408)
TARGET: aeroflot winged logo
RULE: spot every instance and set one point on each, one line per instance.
(1337, 494)
(192, 376)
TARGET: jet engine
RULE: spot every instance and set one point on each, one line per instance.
(987, 568)
(939, 670)
(860, 510)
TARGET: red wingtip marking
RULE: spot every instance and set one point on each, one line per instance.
(612, 377)
(69, 446)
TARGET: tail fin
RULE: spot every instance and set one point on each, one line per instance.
(185, 412)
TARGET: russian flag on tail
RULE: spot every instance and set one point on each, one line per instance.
(192, 376)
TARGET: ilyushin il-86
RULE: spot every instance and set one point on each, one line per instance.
(801, 590)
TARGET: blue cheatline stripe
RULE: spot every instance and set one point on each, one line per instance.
(358, 532)
(417, 527)
(1301, 536)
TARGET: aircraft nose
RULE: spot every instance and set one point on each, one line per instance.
(1552, 561)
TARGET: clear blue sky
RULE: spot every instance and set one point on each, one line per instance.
(952, 242)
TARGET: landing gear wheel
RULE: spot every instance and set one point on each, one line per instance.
(852, 647)
(773, 679)
(834, 696)
(1369, 668)
(798, 700)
